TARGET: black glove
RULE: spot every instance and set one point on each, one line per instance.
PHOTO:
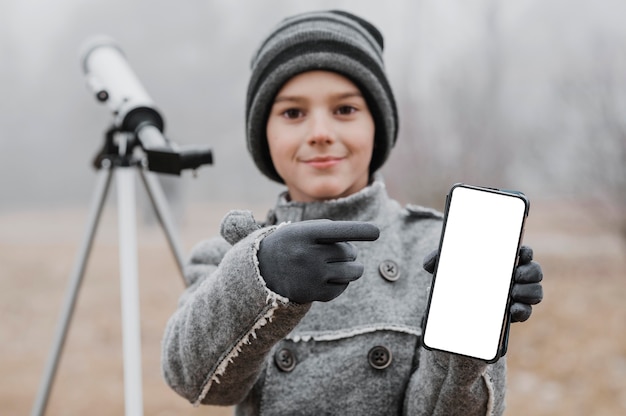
(527, 289)
(313, 260)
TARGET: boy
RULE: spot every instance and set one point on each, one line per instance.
(280, 317)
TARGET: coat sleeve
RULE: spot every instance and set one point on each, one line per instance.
(216, 343)
(448, 384)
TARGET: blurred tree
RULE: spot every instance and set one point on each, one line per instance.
(461, 134)
(594, 92)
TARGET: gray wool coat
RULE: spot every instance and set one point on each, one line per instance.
(233, 341)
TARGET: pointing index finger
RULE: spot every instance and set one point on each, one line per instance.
(329, 232)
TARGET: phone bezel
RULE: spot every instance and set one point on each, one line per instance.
(504, 332)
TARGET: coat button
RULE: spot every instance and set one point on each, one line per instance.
(285, 360)
(379, 357)
(389, 270)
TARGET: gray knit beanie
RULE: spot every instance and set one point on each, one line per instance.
(327, 40)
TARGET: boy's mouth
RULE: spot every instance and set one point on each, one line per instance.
(323, 162)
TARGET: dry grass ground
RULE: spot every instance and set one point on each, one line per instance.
(569, 359)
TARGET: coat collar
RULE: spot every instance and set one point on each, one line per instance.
(361, 206)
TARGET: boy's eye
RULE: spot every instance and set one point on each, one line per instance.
(345, 110)
(292, 113)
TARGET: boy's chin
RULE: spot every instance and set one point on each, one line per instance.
(323, 192)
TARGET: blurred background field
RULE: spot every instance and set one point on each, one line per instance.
(528, 95)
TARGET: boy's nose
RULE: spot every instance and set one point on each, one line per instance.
(321, 130)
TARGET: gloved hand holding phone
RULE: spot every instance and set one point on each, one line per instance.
(527, 289)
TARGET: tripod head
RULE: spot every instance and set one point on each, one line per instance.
(114, 83)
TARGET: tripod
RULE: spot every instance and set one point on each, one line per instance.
(116, 159)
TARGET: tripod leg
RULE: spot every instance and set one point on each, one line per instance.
(159, 203)
(131, 331)
(102, 186)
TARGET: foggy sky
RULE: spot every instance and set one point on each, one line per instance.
(193, 57)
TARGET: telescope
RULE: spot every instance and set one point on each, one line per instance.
(137, 123)
(114, 83)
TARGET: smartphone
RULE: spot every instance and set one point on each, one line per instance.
(468, 307)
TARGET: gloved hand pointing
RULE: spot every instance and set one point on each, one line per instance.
(313, 260)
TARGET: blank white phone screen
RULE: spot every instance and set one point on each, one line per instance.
(473, 277)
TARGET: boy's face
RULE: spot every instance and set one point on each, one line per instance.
(321, 136)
